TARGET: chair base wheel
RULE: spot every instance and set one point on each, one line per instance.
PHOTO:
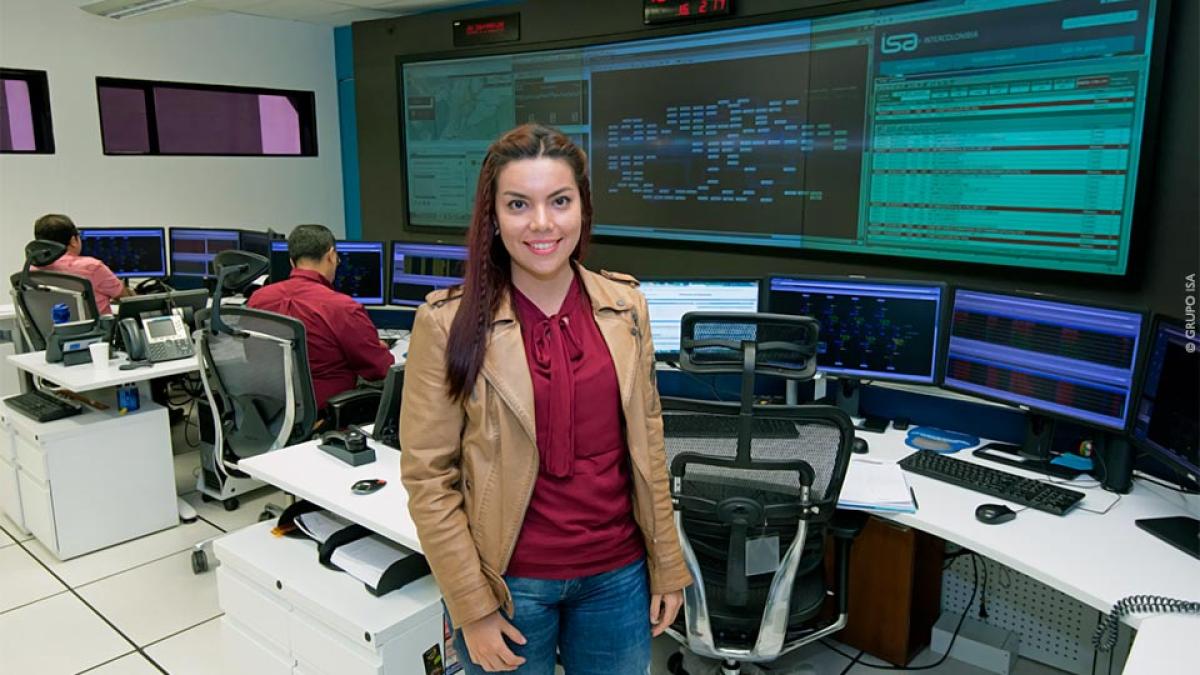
(231, 504)
(199, 562)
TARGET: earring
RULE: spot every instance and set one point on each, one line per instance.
(495, 228)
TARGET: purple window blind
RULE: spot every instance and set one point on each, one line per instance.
(16, 117)
(123, 121)
(203, 119)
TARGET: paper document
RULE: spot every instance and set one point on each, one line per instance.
(319, 525)
(368, 558)
(876, 486)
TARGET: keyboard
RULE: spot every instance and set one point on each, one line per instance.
(1007, 486)
(725, 426)
(41, 406)
(391, 335)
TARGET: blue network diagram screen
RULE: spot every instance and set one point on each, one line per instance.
(669, 299)
(985, 131)
(418, 269)
(360, 273)
(193, 249)
(869, 329)
(128, 252)
(1074, 361)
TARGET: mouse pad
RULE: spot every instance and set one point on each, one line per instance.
(939, 440)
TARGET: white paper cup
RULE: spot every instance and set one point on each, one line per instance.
(99, 352)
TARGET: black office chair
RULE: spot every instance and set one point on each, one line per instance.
(258, 387)
(764, 475)
(36, 292)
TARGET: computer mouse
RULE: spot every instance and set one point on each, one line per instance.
(859, 446)
(994, 514)
(367, 486)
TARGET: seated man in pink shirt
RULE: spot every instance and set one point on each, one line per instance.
(106, 286)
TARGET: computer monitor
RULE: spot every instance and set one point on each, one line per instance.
(256, 241)
(128, 251)
(670, 299)
(360, 274)
(1165, 424)
(1057, 359)
(160, 304)
(193, 249)
(387, 419)
(1165, 420)
(418, 269)
(281, 264)
(870, 329)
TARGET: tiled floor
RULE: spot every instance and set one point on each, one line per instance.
(137, 609)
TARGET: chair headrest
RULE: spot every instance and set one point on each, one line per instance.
(252, 267)
(42, 252)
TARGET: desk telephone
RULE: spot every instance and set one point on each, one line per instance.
(158, 338)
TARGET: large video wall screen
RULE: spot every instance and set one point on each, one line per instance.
(989, 131)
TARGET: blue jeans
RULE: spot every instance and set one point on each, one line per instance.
(599, 624)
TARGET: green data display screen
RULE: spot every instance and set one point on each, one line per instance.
(988, 131)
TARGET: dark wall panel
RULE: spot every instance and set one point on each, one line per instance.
(1167, 228)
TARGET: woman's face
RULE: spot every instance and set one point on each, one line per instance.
(538, 212)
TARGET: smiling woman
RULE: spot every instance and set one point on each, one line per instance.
(532, 434)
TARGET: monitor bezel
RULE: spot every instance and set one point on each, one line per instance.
(939, 361)
(391, 259)
(1138, 356)
(162, 232)
(1185, 471)
(673, 357)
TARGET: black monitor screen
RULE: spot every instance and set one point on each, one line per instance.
(669, 299)
(281, 265)
(418, 269)
(128, 252)
(1069, 360)
(869, 329)
(360, 273)
(1166, 418)
(256, 242)
(983, 131)
(193, 249)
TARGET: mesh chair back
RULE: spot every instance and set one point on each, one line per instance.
(247, 375)
(36, 297)
(822, 440)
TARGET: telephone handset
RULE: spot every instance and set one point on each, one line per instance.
(158, 338)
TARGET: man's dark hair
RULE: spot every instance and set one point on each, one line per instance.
(309, 242)
(55, 227)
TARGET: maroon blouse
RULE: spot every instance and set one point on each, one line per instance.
(580, 518)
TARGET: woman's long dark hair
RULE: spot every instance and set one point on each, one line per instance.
(489, 270)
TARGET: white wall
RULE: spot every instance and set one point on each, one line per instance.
(75, 47)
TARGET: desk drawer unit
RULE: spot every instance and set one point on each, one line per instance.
(245, 653)
(10, 493)
(324, 622)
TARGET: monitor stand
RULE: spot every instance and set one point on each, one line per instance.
(846, 395)
(1181, 532)
(1034, 452)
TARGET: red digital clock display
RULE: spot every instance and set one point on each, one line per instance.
(665, 11)
(487, 30)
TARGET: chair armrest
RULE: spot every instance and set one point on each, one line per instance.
(352, 396)
(847, 524)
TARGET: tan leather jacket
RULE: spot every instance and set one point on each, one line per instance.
(470, 468)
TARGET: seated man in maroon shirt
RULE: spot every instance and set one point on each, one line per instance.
(343, 344)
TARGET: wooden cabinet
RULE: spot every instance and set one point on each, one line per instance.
(895, 591)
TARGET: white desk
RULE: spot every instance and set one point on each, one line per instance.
(307, 472)
(10, 380)
(87, 377)
(1096, 559)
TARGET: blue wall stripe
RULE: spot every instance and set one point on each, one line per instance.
(348, 128)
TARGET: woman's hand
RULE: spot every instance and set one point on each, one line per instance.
(485, 642)
(663, 608)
